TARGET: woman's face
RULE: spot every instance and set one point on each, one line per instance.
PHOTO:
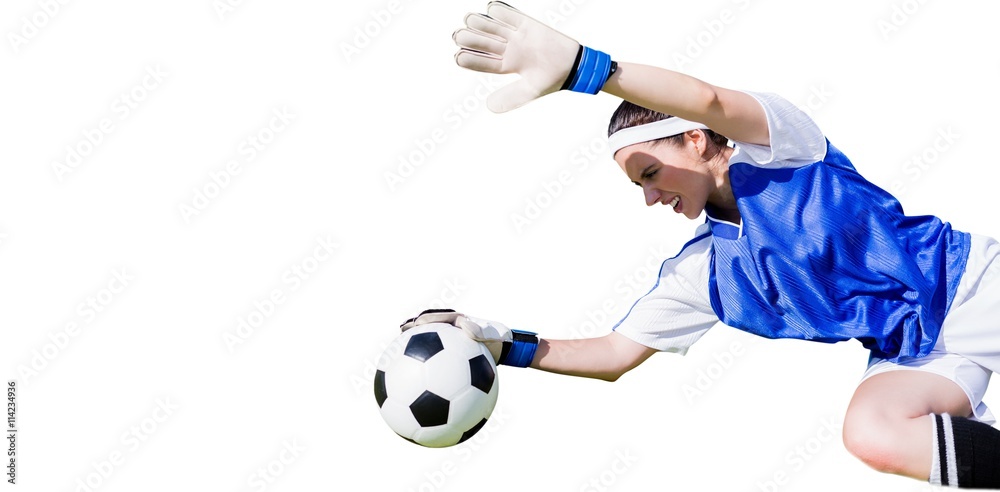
(669, 174)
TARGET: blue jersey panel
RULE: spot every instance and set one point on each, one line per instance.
(825, 255)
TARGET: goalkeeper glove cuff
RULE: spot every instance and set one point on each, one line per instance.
(591, 70)
(520, 350)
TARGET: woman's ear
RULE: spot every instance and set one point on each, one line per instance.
(699, 140)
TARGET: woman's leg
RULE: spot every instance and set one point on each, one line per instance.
(889, 423)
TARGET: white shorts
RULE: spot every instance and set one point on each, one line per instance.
(968, 349)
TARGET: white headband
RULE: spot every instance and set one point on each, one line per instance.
(651, 131)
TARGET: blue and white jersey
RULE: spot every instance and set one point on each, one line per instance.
(677, 311)
(820, 254)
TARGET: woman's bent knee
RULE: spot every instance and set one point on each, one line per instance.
(888, 424)
(885, 443)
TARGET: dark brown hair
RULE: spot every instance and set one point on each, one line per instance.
(628, 115)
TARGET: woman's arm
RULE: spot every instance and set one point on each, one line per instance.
(731, 113)
(505, 40)
(606, 357)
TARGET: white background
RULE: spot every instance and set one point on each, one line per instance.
(882, 87)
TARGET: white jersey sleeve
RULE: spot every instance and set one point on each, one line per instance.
(795, 139)
(677, 311)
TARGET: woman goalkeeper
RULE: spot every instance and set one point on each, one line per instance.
(796, 244)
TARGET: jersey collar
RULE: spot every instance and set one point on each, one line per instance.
(724, 228)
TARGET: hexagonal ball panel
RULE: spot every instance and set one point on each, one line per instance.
(457, 342)
(430, 409)
(468, 408)
(405, 379)
(423, 346)
(447, 374)
(439, 436)
(399, 418)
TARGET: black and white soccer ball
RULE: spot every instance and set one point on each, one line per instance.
(440, 389)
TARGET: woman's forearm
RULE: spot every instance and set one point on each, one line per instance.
(734, 114)
(606, 357)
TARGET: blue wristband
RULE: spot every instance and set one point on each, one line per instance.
(591, 71)
(520, 351)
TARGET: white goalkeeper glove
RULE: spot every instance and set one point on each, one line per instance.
(508, 347)
(504, 40)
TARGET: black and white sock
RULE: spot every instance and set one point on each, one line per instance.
(966, 453)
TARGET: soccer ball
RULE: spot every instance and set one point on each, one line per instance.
(439, 389)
